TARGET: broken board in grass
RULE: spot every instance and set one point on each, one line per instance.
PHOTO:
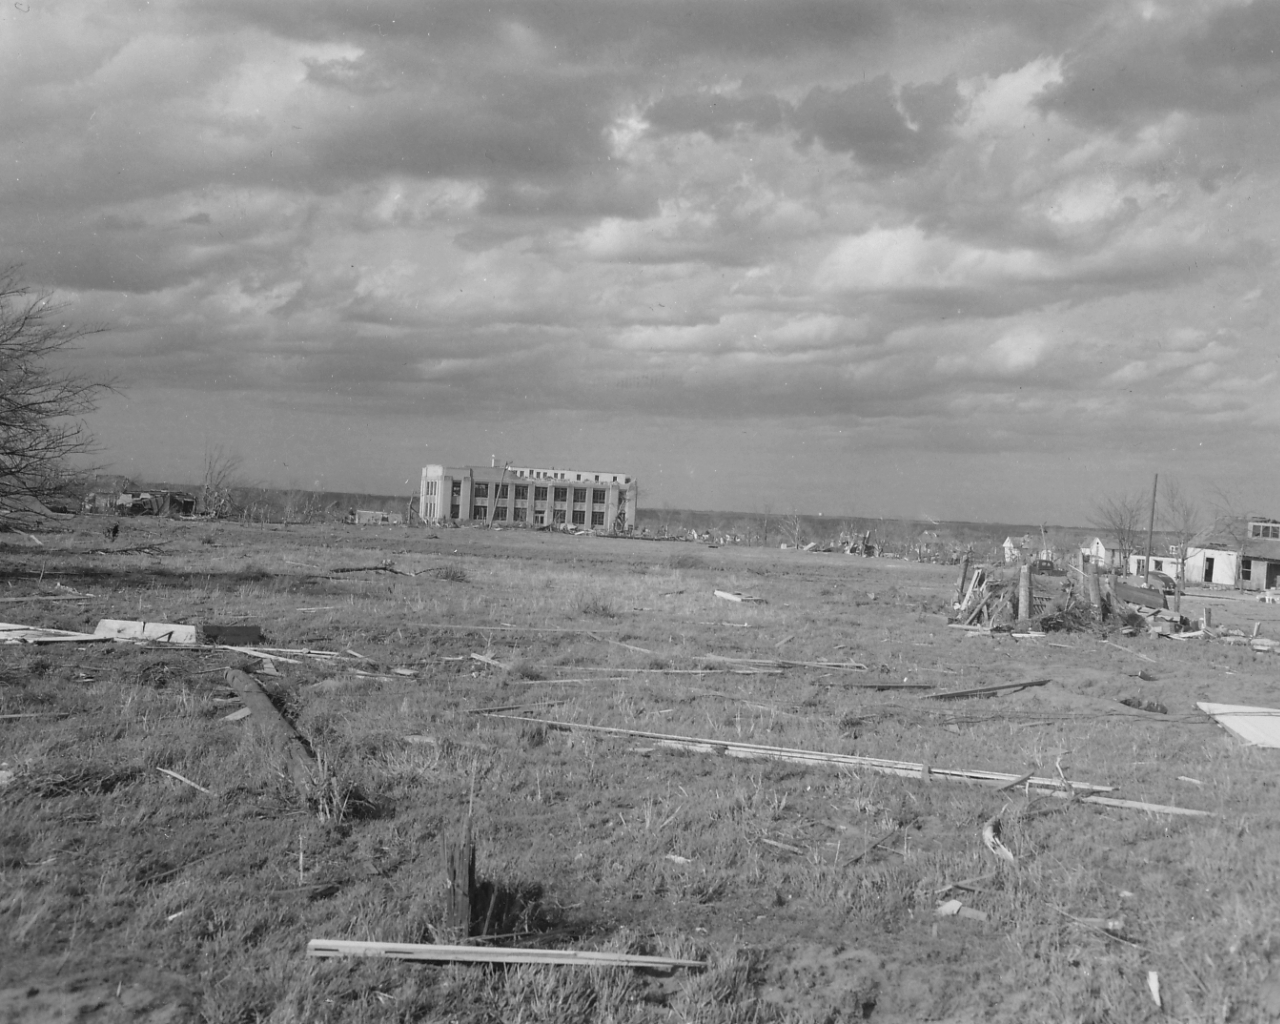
(133, 629)
(235, 636)
(14, 633)
(490, 955)
(986, 691)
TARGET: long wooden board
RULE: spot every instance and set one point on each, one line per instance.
(1084, 792)
(985, 691)
(749, 751)
(494, 955)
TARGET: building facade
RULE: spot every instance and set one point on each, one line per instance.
(529, 495)
(1247, 554)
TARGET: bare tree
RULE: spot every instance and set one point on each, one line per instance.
(1231, 520)
(1180, 516)
(1121, 516)
(793, 527)
(220, 478)
(39, 406)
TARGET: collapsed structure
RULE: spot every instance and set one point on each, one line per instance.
(536, 496)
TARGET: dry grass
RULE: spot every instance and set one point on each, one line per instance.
(810, 890)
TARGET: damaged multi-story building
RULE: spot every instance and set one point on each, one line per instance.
(532, 495)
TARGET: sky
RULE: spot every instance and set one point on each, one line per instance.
(932, 258)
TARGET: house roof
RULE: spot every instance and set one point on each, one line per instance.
(1225, 535)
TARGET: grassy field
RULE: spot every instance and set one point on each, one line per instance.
(810, 890)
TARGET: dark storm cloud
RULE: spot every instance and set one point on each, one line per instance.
(881, 128)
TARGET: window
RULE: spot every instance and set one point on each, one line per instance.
(579, 517)
(517, 515)
(597, 519)
(557, 515)
(539, 517)
(502, 491)
(1246, 570)
(1141, 570)
(500, 512)
(597, 496)
(539, 494)
(579, 495)
(1157, 564)
(562, 493)
(1271, 530)
(480, 491)
(430, 488)
(479, 512)
(522, 492)
(579, 476)
(457, 488)
(453, 511)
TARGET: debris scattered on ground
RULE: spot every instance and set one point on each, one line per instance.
(1145, 705)
(954, 908)
(991, 839)
(728, 595)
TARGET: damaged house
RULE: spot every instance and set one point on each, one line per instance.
(1244, 551)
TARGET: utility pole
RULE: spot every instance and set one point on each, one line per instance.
(1151, 525)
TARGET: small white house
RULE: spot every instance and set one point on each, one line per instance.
(1096, 552)
(1247, 551)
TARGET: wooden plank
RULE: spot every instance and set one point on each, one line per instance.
(47, 597)
(158, 632)
(183, 778)
(985, 691)
(485, 659)
(483, 955)
(850, 666)
(750, 751)
(15, 633)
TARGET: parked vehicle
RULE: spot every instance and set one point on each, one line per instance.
(1163, 582)
(1044, 567)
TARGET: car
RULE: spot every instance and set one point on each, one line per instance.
(1045, 567)
(1163, 582)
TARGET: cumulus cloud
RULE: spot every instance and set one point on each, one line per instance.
(935, 229)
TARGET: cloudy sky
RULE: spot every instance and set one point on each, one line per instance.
(950, 258)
